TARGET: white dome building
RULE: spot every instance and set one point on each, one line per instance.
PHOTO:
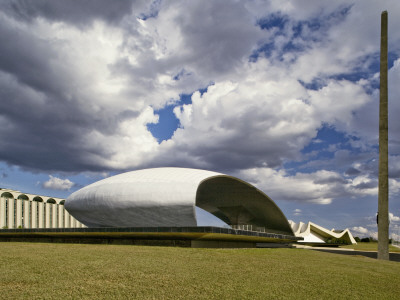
(167, 197)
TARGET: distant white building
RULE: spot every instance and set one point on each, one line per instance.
(313, 233)
(22, 210)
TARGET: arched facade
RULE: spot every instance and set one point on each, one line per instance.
(22, 210)
(168, 196)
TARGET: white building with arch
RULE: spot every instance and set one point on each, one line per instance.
(24, 210)
(167, 197)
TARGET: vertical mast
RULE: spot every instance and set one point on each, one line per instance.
(383, 193)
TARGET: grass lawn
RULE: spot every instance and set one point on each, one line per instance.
(72, 271)
(371, 246)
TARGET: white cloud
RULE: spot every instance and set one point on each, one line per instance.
(363, 232)
(393, 218)
(267, 110)
(55, 183)
(360, 230)
(395, 237)
(369, 227)
(101, 82)
(373, 234)
(336, 102)
(297, 212)
(130, 145)
(319, 187)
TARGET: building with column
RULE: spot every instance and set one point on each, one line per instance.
(23, 210)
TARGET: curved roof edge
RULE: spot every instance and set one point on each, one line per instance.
(263, 211)
(27, 196)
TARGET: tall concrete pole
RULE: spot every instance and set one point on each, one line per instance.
(383, 197)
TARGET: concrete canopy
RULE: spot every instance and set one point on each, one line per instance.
(168, 196)
(313, 233)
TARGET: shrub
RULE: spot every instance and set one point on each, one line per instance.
(371, 239)
(337, 241)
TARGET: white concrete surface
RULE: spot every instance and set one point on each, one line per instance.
(313, 233)
(168, 196)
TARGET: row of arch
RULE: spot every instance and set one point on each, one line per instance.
(20, 213)
(24, 210)
(10, 195)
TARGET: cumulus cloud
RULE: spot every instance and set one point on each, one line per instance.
(395, 237)
(369, 227)
(76, 15)
(360, 230)
(373, 234)
(79, 85)
(319, 187)
(393, 218)
(268, 129)
(55, 183)
(364, 232)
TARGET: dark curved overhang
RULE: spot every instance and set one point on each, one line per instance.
(23, 197)
(237, 202)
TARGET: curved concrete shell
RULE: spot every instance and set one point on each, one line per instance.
(168, 196)
(313, 233)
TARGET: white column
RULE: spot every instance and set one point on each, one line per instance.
(34, 213)
(18, 221)
(66, 219)
(40, 208)
(10, 213)
(55, 207)
(27, 214)
(47, 219)
(54, 218)
(60, 216)
(2, 212)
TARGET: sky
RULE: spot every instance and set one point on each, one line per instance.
(282, 94)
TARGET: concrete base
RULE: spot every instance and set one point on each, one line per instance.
(273, 245)
(221, 244)
(91, 240)
(198, 237)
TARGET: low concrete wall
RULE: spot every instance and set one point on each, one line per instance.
(221, 244)
(201, 237)
(89, 240)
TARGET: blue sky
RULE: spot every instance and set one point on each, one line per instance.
(283, 94)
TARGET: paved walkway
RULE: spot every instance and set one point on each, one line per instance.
(372, 254)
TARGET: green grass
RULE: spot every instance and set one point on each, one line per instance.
(371, 246)
(71, 271)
